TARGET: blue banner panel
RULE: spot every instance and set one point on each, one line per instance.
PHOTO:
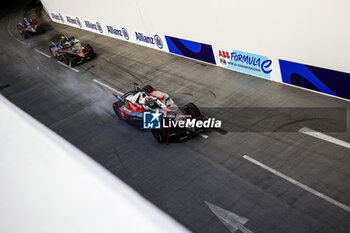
(187, 48)
(315, 78)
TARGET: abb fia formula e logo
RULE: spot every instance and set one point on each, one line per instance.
(223, 56)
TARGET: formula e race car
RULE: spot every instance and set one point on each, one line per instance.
(133, 105)
(70, 51)
(30, 27)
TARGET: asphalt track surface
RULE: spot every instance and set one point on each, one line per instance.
(180, 177)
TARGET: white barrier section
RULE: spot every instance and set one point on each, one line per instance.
(309, 32)
(47, 185)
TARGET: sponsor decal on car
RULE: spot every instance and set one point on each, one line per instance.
(246, 62)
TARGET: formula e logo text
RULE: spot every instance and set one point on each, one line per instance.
(151, 120)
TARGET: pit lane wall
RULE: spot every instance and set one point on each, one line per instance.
(302, 43)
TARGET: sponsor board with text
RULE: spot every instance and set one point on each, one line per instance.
(257, 65)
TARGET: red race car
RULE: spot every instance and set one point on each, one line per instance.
(30, 27)
(135, 107)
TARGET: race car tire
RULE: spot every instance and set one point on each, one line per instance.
(116, 107)
(41, 28)
(26, 35)
(148, 89)
(89, 48)
(67, 60)
(73, 61)
(159, 136)
(192, 109)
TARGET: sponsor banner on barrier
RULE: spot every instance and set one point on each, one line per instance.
(187, 48)
(245, 62)
(93, 25)
(327, 81)
(57, 17)
(118, 32)
(74, 21)
(148, 39)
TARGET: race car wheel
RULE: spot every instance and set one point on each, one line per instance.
(148, 88)
(67, 60)
(41, 28)
(159, 136)
(26, 35)
(89, 48)
(192, 109)
(116, 107)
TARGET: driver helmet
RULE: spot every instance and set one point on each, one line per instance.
(152, 103)
(26, 21)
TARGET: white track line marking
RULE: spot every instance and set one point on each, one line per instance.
(68, 66)
(203, 135)
(9, 32)
(297, 183)
(108, 87)
(323, 136)
(42, 53)
(24, 43)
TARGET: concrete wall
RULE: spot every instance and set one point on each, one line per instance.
(297, 32)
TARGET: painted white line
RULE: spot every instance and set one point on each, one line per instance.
(203, 135)
(232, 221)
(24, 43)
(108, 87)
(297, 183)
(68, 66)
(42, 53)
(9, 32)
(323, 136)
